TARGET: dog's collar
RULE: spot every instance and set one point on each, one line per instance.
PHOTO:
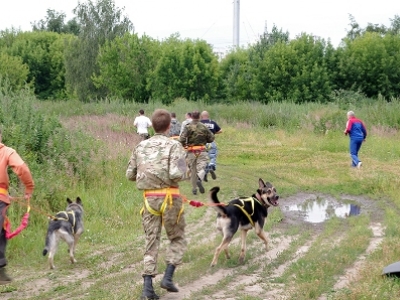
(259, 199)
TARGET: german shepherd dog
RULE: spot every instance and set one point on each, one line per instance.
(66, 225)
(243, 213)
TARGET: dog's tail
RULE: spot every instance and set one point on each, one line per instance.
(47, 243)
(220, 208)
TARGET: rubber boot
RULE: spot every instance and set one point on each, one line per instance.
(148, 291)
(166, 282)
(4, 278)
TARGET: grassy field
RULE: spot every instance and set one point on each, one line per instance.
(340, 258)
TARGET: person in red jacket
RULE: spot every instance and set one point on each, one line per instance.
(357, 132)
(10, 158)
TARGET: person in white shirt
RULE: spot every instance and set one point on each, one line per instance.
(188, 117)
(142, 123)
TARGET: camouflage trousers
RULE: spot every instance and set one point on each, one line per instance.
(174, 228)
(197, 165)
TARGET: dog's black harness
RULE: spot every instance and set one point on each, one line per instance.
(241, 207)
(65, 216)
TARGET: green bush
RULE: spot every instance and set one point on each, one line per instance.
(14, 71)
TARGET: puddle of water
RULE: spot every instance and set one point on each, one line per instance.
(318, 212)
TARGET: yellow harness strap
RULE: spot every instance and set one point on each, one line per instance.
(3, 191)
(169, 193)
(66, 213)
(250, 199)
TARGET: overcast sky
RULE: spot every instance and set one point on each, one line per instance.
(212, 20)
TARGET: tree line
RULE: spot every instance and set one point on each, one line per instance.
(98, 55)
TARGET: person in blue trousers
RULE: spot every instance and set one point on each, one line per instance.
(211, 147)
(357, 132)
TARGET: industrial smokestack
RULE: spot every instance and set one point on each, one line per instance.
(236, 22)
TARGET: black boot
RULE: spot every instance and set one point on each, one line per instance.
(148, 291)
(166, 282)
(205, 175)
(4, 278)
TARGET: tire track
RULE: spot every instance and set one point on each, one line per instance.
(352, 272)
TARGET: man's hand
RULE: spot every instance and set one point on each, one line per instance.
(27, 196)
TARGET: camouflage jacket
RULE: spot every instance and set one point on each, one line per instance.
(196, 134)
(175, 128)
(158, 162)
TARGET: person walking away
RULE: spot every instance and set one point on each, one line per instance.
(142, 123)
(10, 158)
(357, 132)
(194, 137)
(212, 147)
(188, 119)
(175, 129)
(158, 165)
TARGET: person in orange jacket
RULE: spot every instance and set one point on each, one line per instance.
(10, 158)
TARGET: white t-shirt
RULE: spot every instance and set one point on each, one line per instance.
(142, 123)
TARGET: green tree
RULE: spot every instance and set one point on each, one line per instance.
(99, 22)
(187, 69)
(371, 64)
(296, 71)
(257, 54)
(55, 22)
(43, 53)
(13, 70)
(236, 75)
(126, 65)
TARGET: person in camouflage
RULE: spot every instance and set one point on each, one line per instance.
(194, 138)
(175, 128)
(157, 165)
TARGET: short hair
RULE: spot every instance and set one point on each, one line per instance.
(350, 113)
(160, 120)
(195, 115)
(173, 115)
(141, 112)
(205, 115)
(189, 114)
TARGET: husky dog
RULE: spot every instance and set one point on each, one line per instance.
(245, 214)
(66, 225)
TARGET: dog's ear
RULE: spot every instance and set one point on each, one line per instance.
(261, 183)
(78, 200)
(69, 201)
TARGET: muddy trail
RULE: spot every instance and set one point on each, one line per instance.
(259, 277)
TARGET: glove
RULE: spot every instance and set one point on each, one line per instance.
(196, 203)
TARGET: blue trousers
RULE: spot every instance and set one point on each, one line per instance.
(212, 154)
(355, 146)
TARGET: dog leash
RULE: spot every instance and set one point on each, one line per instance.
(18, 200)
(24, 222)
(196, 203)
